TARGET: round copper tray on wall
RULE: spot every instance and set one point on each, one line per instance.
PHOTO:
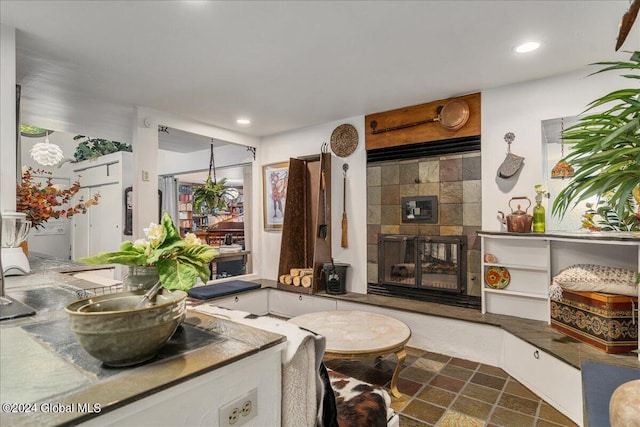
(454, 114)
(344, 140)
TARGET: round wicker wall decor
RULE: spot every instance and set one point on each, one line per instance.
(344, 140)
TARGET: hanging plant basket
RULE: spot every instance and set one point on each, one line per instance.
(210, 196)
(213, 194)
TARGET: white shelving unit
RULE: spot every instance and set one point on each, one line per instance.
(528, 263)
(533, 259)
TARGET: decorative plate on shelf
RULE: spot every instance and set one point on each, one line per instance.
(497, 277)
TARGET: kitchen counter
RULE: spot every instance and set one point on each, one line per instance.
(48, 379)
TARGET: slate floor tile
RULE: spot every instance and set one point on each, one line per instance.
(443, 391)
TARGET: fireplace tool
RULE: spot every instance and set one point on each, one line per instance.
(322, 228)
(345, 236)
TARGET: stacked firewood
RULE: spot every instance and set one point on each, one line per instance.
(298, 277)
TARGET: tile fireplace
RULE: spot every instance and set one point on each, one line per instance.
(423, 214)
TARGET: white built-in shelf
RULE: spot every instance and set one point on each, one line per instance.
(517, 266)
(515, 293)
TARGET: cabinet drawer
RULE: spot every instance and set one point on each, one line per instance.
(255, 302)
(291, 304)
(555, 381)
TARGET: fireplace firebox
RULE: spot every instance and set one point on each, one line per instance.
(421, 265)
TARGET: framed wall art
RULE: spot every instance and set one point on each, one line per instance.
(275, 177)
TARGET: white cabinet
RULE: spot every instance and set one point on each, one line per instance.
(198, 401)
(255, 302)
(102, 227)
(527, 261)
(291, 304)
(555, 381)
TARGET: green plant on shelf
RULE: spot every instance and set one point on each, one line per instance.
(92, 148)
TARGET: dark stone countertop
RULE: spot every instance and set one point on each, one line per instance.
(41, 362)
(616, 236)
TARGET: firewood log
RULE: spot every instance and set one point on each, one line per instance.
(300, 271)
(307, 281)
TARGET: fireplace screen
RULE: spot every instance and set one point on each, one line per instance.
(437, 263)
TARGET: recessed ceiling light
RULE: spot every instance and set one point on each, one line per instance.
(527, 47)
(243, 121)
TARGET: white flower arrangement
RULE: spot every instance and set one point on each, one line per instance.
(179, 261)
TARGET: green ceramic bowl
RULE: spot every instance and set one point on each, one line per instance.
(112, 330)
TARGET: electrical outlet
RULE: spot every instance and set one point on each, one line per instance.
(240, 410)
(246, 408)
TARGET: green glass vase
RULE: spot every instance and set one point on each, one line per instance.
(538, 218)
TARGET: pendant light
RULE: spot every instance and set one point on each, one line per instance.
(46, 153)
(562, 169)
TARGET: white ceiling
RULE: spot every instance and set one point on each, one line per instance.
(179, 141)
(291, 64)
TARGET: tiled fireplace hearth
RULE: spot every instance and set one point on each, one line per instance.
(425, 260)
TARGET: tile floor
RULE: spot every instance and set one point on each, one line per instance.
(441, 391)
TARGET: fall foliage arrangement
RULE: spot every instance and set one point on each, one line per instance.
(43, 201)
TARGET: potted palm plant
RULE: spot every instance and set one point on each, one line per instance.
(606, 154)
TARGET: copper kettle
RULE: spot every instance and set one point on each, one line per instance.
(518, 221)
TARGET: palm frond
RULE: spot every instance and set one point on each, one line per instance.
(606, 154)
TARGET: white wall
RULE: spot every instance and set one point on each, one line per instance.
(8, 118)
(306, 142)
(520, 109)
